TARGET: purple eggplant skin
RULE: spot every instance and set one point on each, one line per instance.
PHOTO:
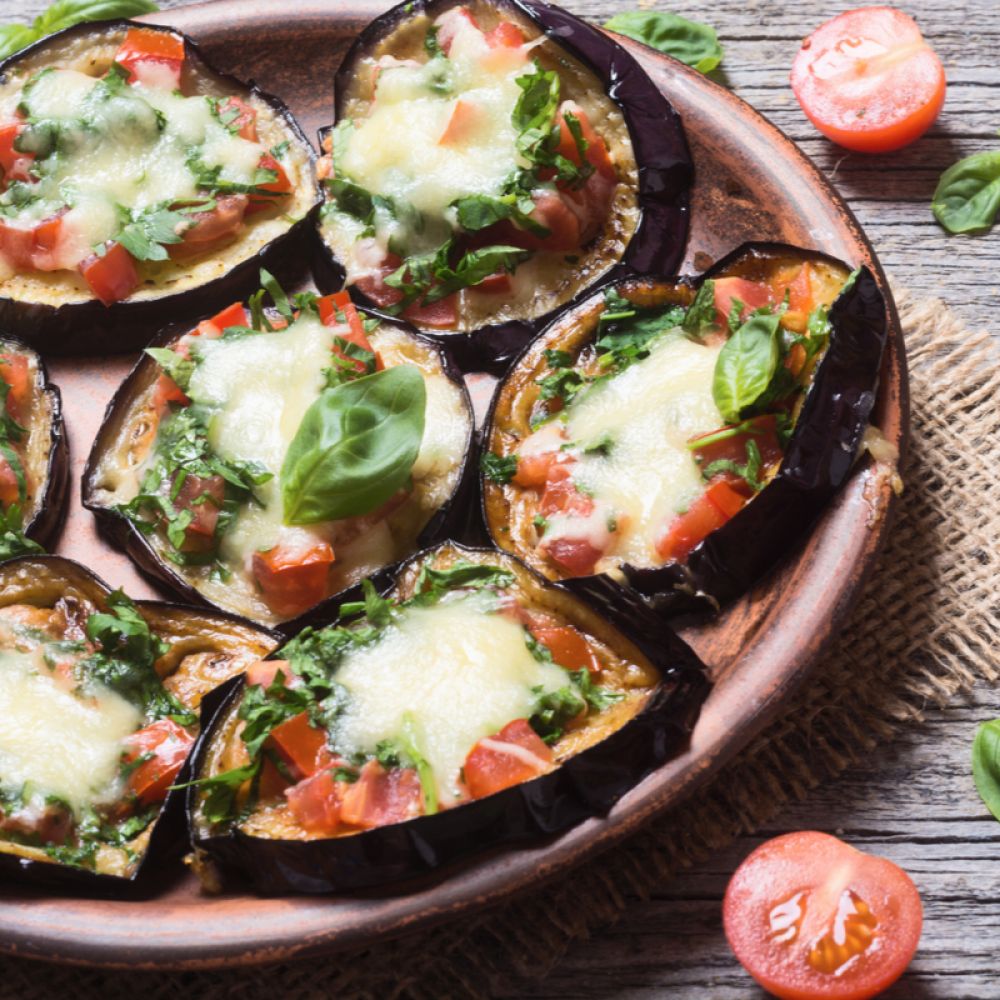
(46, 524)
(90, 327)
(583, 786)
(450, 521)
(661, 154)
(818, 459)
(51, 577)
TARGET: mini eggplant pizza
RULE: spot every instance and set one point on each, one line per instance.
(135, 175)
(267, 461)
(654, 418)
(472, 703)
(479, 174)
(34, 467)
(100, 712)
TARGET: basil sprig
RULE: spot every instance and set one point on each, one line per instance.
(692, 43)
(986, 764)
(355, 447)
(967, 198)
(64, 14)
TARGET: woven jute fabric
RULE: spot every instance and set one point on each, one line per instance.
(926, 628)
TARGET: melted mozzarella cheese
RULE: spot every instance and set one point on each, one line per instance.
(54, 741)
(650, 411)
(448, 675)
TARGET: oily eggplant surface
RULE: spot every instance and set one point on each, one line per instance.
(82, 324)
(42, 581)
(48, 450)
(585, 785)
(818, 459)
(449, 521)
(663, 162)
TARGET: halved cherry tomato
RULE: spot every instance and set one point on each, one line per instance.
(10, 489)
(168, 745)
(113, 276)
(380, 797)
(203, 497)
(14, 371)
(868, 80)
(293, 578)
(315, 802)
(515, 754)
(568, 647)
(301, 745)
(161, 50)
(240, 116)
(810, 917)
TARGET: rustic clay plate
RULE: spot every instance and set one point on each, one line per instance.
(752, 184)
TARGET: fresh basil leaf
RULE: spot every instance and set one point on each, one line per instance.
(986, 764)
(146, 232)
(355, 447)
(473, 267)
(967, 198)
(691, 42)
(746, 366)
(498, 468)
(270, 283)
(12, 538)
(179, 368)
(351, 199)
(411, 744)
(479, 211)
(701, 312)
(433, 584)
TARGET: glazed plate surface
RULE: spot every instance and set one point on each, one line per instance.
(752, 183)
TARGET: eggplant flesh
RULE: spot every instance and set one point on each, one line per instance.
(437, 507)
(41, 449)
(830, 418)
(55, 311)
(205, 651)
(595, 766)
(646, 229)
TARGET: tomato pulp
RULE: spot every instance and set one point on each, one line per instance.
(810, 917)
(868, 80)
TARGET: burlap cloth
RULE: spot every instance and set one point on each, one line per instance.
(926, 629)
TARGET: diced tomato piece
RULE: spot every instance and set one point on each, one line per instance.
(244, 117)
(575, 556)
(440, 315)
(203, 497)
(800, 293)
(497, 283)
(113, 276)
(281, 185)
(168, 391)
(15, 164)
(597, 151)
(465, 119)
(293, 577)
(551, 211)
(796, 359)
(47, 233)
(515, 754)
(711, 510)
(380, 797)
(561, 495)
(752, 294)
(32, 247)
(10, 491)
(272, 782)
(169, 745)
(301, 745)
(324, 167)
(163, 50)
(329, 305)
(14, 370)
(315, 802)
(214, 226)
(533, 469)
(450, 23)
(761, 430)
(373, 285)
(727, 499)
(505, 35)
(263, 673)
(17, 246)
(568, 647)
(234, 315)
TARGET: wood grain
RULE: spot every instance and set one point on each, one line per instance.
(913, 801)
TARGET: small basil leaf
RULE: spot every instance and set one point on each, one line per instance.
(692, 43)
(746, 365)
(986, 764)
(968, 195)
(355, 447)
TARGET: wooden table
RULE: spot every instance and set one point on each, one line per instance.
(913, 801)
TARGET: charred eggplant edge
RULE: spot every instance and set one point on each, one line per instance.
(819, 458)
(450, 520)
(91, 327)
(169, 833)
(585, 785)
(661, 153)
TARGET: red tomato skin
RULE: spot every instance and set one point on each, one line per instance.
(892, 114)
(784, 865)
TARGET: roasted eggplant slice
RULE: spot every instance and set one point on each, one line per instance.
(266, 471)
(100, 701)
(120, 136)
(681, 436)
(490, 160)
(470, 705)
(34, 461)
